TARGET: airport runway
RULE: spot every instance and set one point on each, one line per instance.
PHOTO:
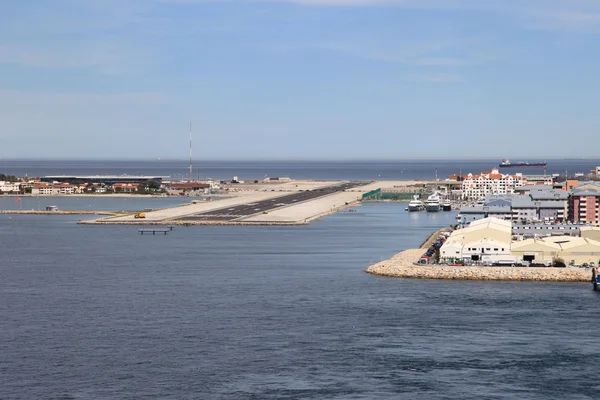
(245, 210)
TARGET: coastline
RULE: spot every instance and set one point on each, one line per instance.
(404, 265)
(399, 267)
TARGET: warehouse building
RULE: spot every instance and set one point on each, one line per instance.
(485, 240)
(489, 241)
(573, 250)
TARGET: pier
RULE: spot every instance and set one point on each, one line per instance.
(154, 231)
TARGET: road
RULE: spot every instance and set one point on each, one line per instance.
(245, 210)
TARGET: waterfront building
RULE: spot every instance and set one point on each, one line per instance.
(484, 240)
(10, 187)
(584, 203)
(490, 241)
(476, 187)
(573, 250)
(125, 187)
(48, 189)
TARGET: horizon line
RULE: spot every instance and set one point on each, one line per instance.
(333, 159)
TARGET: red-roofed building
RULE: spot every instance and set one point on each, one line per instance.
(125, 187)
(44, 188)
(476, 187)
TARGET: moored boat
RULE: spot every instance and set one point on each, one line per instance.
(416, 204)
(433, 203)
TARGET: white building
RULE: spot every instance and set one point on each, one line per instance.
(9, 187)
(573, 250)
(485, 240)
(476, 187)
(47, 189)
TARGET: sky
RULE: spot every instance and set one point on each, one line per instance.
(299, 78)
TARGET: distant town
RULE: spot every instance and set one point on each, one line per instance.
(105, 184)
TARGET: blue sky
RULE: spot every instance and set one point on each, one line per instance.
(299, 78)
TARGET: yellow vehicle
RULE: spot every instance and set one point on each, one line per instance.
(140, 215)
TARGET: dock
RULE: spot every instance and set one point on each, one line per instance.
(154, 231)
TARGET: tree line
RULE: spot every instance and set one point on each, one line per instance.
(8, 178)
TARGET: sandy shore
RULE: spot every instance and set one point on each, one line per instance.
(402, 266)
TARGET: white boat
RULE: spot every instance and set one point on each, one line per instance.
(447, 206)
(433, 203)
(416, 204)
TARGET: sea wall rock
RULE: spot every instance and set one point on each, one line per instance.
(402, 266)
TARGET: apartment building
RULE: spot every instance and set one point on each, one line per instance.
(476, 187)
(584, 203)
(9, 187)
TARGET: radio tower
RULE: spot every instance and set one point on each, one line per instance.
(191, 173)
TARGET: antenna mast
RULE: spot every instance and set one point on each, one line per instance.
(191, 173)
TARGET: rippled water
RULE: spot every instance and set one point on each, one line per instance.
(92, 312)
(92, 203)
(298, 169)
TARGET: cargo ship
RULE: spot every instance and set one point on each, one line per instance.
(522, 164)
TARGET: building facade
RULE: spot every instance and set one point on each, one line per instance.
(476, 187)
(584, 203)
(9, 187)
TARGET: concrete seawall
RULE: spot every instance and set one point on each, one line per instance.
(401, 266)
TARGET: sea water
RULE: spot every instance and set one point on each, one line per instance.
(240, 312)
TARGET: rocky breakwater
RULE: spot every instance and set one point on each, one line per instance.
(403, 265)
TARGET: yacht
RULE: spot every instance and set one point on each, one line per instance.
(433, 203)
(447, 206)
(416, 204)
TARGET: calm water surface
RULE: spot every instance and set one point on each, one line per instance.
(333, 170)
(92, 203)
(276, 313)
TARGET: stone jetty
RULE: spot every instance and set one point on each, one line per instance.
(403, 265)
